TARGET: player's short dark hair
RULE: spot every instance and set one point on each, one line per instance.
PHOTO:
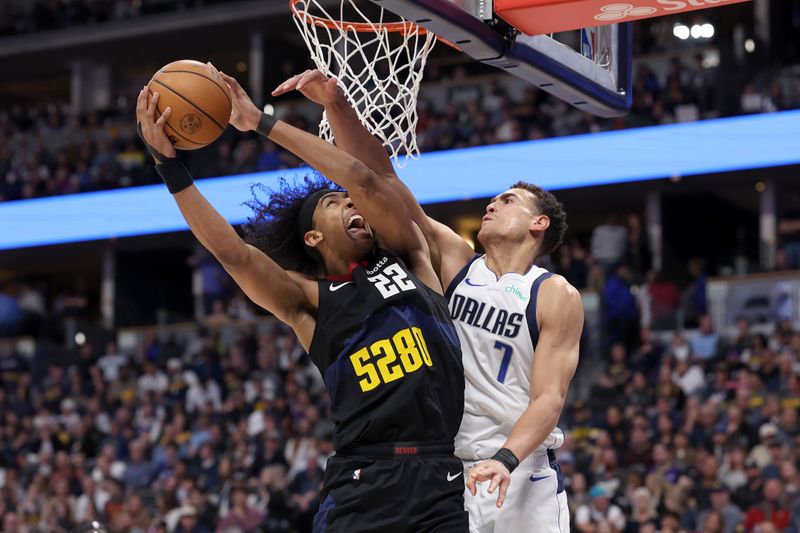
(273, 228)
(548, 205)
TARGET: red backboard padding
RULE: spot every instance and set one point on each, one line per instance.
(535, 17)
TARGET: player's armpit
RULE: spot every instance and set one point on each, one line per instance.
(291, 297)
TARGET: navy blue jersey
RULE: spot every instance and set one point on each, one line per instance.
(390, 357)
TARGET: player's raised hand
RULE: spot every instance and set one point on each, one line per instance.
(244, 113)
(493, 471)
(314, 85)
(152, 128)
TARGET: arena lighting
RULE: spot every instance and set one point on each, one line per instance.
(681, 31)
(747, 142)
(750, 46)
(697, 31)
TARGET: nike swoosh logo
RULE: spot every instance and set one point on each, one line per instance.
(468, 282)
(535, 479)
(451, 478)
(335, 288)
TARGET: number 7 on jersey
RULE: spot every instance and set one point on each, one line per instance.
(507, 350)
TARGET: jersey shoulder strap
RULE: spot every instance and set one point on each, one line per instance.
(530, 312)
(460, 277)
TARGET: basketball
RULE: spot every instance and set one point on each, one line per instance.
(200, 102)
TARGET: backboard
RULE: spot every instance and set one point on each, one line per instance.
(593, 73)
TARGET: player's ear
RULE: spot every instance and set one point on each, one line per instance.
(313, 237)
(539, 223)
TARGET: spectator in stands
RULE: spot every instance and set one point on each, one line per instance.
(589, 517)
(189, 522)
(609, 243)
(241, 515)
(637, 253)
(647, 357)
(662, 300)
(218, 315)
(706, 343)
(133, 518)
(305, 489)
(10, 313)
(139, 471)
(203, 392)
(750, 494)
(153, 380)
(611, 384)
(744, 342)
(729, 512)
(789, 231)
(643, 512)
(573, 264)
(695, 301)
(111, 362)
(638, 450)
(619, 305)
(771, 509)
(213, 279)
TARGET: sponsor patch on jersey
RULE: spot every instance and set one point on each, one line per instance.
(516, 291)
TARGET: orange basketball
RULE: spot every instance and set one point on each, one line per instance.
(200, 102)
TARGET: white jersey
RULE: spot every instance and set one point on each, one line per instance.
(496, 322)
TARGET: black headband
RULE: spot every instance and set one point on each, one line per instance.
(307, 211)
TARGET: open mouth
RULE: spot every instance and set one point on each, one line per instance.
(356, 225)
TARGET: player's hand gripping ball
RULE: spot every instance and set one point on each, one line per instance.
(199, 99)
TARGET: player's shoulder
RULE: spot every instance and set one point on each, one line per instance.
(559, 302)
(557, 287)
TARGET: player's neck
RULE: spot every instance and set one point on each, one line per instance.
(505, 257)
(337, 266)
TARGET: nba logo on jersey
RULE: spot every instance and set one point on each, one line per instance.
(357, 474)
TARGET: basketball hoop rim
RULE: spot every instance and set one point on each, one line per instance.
(405, 28)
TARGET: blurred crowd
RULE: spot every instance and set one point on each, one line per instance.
(693, 432)
(20, 17)
(200, 435)
(46, 150)
(227, 429)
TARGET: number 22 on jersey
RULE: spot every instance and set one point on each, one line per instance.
(391, 281)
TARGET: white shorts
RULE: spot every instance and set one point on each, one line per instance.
(533, 502)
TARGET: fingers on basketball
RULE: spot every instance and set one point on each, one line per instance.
(151, 107)
(233, 85)
(141, 104)
(164, 117)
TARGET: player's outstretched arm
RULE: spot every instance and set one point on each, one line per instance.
(285, 294)
(352, 137)
(560, 318)
(374, 197)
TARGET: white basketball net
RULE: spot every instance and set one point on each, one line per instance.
(379, 70)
